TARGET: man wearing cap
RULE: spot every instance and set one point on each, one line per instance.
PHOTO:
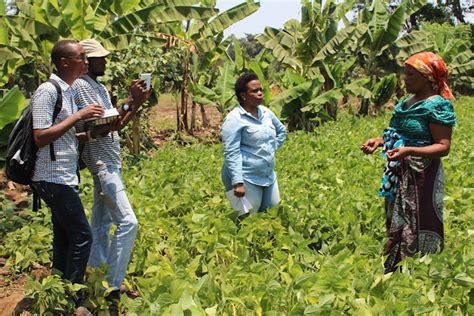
(101, 154)
(55, 179)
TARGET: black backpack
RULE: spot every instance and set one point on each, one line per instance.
(21, 147)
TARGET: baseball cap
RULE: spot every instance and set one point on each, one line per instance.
(93, 48)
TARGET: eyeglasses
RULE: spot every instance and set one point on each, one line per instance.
(80, 57)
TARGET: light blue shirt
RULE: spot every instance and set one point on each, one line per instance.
(250, 144)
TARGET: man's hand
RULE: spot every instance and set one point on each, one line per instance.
(239, 190)
(139, 93)
(90, 111)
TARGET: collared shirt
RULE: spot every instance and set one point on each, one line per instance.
(63, 169)
(104, 152)
(250, 144)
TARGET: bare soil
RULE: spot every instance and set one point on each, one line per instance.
(163, 122)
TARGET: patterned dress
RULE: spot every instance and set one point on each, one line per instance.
(414, 212)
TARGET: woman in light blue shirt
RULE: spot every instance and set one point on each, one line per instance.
(251, 134)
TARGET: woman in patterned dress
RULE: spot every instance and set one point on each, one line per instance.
(413, 182)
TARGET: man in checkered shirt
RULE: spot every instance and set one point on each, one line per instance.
(55, 180)
(102, 157)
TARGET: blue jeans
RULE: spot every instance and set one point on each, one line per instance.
(260, 197)
(111, 205)
(72, 237)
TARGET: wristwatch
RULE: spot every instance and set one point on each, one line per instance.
(127, 107)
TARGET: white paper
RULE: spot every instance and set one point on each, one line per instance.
(108, 116)
(110, 112)
(242, 204)
(147, 78)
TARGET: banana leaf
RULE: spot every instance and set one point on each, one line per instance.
(239, 58)
(10, 106)
(154, 14)
(295, 93)
(331, 96)
(384, 90)
(123, 41)
(227, 18)
(255, 67)
(357, 88)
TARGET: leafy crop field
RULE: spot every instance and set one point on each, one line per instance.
(317, 253)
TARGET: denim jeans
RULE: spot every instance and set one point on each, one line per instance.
(260, 197)
(72, 237)
(111, 206)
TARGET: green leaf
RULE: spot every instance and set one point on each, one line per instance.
(227, 18)
(464, 280)
(295, 93)
(356, 88)
(255, 67)
(156, 14)
(121, 7)
(224, 86)
(10, 106)
(337, 43)
(79, 17)
(333, 95)
(239, 58)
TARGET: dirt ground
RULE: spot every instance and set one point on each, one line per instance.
(162, 121)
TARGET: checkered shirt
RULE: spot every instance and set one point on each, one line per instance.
(63, 169)
(104, 152)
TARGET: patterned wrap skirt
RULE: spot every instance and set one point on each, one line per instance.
(414, 218)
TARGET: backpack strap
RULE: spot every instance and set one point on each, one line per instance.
(36, 201)
(57, 108)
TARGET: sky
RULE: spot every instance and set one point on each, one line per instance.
(275, 13)
(272, 13)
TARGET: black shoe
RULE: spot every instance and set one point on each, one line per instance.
(113, 299)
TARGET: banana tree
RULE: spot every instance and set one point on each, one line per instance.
(381, 42)
(309, 50)
(33, 32)
(219, 91)
(206, 45)
(453, 44)
(27, 38)
(11, 105)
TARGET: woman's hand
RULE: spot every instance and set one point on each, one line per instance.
(371, 145)
(398, 153)
(239, 190)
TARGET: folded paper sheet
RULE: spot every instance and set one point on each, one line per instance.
(242, 204)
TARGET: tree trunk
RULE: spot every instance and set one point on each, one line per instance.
(331, 109)
(205, 121)
(399, 91)
(136, 134)
(113, 98)
(184, 109)
(193, 116)
(364, 107)
(184, 95)
(178, 116)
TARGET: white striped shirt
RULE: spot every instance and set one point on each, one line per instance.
(104, 151)
(63, 169)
